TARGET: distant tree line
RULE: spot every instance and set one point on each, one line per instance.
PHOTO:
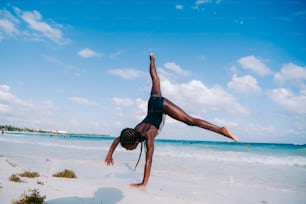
(18, 129)
(13, 128)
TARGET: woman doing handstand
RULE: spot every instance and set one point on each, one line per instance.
(148, 128)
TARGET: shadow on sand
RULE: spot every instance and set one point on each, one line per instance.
(101, 196)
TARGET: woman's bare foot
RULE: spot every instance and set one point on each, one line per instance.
(152, 57)
(228, 134)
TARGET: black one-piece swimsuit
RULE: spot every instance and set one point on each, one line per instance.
(155, 111)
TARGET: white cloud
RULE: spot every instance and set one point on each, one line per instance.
(254, 64)
(6, 97)
(127, 73)
(16, 23)
(82, 101)
(7, 23)
(141, 108)
(175, 68)
(199, 3)
(17, 111)
(179, 7)
(196, 97)
(259, 129)
(122, 101)
(4, 108)
(87, 53)
(227, 123)
(75, 123)
(119, 112)
(245, 84)
(4, 88)
(291, 72)
(8, 27)
(34, 21)
(288, 100)
(125, 108)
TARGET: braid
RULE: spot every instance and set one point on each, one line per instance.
(139, 155)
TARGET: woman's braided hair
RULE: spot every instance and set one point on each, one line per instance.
(129, 136)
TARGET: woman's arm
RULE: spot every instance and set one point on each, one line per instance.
(109, 157)
(147, 167)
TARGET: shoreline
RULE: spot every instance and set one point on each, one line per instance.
(106, 136)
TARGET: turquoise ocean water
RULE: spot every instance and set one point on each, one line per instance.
(292, 155)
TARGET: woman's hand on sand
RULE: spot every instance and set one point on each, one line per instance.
(137, 185)
(109, 161)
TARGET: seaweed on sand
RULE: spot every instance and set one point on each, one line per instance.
(29, 174)
(15, 178)
(65, 174)
(34, 198)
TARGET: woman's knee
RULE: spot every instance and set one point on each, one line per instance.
(190, 121)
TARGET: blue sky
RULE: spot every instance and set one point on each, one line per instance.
(82, 66)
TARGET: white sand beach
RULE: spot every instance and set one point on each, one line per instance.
(173, 180)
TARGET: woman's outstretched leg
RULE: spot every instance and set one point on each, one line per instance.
(177, 113)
